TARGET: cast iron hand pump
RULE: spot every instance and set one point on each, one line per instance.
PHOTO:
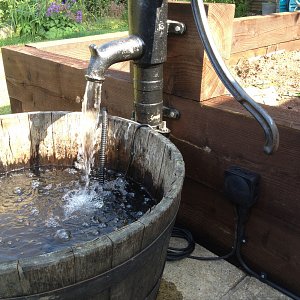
(147, 47)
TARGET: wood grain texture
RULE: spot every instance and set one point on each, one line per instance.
(47, 271)
(188, 72)
(44, 81)
(92, 258)
(9, 279)
(52, 141)
(266, 50)
(15, 142)
(260, 31)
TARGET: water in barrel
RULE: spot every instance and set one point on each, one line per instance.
(49, 208)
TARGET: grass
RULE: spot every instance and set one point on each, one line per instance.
(5, 110)
(106, 25)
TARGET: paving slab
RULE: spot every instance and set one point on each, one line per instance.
(190, 279)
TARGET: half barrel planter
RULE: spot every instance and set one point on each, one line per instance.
(125, 264)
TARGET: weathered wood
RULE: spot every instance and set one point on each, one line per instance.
(41, 135)
(14, 142)
(47, 271)
(188, 72)
(92, 258)
(126, 243)
(77, 267)
(65, 131)
(9, 280)
(260, 31)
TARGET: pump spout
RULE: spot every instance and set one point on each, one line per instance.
(103, 57)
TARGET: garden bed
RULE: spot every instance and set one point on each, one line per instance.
(272, 79)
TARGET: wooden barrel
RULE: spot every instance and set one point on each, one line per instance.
(125, 264)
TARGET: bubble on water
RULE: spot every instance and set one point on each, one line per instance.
(92, 231)
(35, 184)
(63, 235)
(52, 222)
(9, 243)
(83, 201)
(85, 224)
(139, 213)
(1, 239)
(48, 187)
(18, 191)
(129, 206)
(34, 211)
(102, 225)
(71, 171)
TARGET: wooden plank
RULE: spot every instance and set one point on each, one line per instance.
(65, 133)
(187, 72)
(126, 243)
(9, 280)
(42, 147)
(285, 46)
(118, 101)
(47, 271)
(15, 143)
(92, 258)
(43, 81)
(260, 31)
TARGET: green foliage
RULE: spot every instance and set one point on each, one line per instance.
(3, 10)
(242, 8)
(5, 110)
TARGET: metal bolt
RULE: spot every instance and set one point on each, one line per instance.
(177, 28)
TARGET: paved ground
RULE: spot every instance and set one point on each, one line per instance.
(189, 279)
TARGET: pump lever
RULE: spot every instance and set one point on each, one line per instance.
(263, 118)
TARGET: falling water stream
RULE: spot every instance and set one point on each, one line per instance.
(59, 207)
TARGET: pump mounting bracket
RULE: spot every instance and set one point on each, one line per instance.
(176, 27)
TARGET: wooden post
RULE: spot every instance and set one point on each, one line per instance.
(188, 72)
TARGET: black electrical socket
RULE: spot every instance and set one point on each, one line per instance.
(241, 186)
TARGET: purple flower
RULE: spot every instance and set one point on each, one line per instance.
(78, 17)
(53, 8)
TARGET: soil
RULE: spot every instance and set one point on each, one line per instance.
(273, 79)
(168, 291)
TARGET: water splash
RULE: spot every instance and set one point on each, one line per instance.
(89, 129)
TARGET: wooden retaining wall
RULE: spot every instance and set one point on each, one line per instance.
(213, 133)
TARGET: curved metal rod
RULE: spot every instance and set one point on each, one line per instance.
(263, 118)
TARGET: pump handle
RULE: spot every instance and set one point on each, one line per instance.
(263, 118)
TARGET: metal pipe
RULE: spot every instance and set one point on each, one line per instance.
(263, 118)
(110, 53)
(148, 20)
(147, 46)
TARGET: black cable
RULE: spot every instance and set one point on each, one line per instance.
(176, 253)
(261, 277)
